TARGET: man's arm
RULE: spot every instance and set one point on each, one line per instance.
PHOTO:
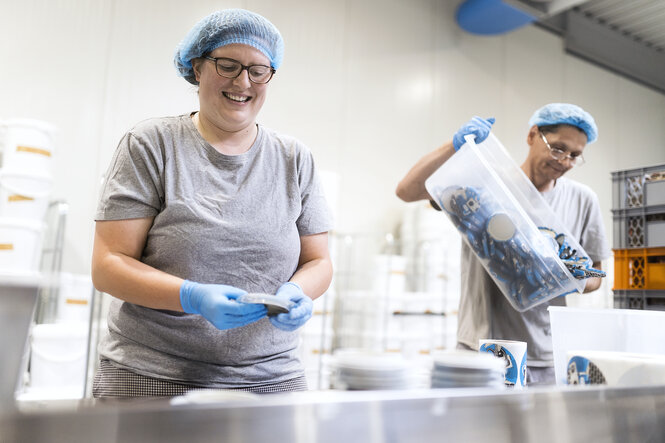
(593, 283)
(412, 186)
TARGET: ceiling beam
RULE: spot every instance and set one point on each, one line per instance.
(613, 50)
(544, 8)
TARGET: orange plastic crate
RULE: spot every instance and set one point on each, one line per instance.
(639, 268)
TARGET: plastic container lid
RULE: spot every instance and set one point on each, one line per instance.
(58, 331)
(22, 278)
(275, 305)
(29, 123)
(19, 182)
(10, 222)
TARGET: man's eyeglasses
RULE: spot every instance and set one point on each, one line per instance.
(562, 154)
(229, 68)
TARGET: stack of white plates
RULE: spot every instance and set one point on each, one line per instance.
(206, 396)
(466, 369)
(365, 370)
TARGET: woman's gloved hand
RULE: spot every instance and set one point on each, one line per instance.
(299, 313)
(476, 126)
(218, 305)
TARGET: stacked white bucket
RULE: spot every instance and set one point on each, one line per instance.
(431, 246)
(59, 350)
(25, 186)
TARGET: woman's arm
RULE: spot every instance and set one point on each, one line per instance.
(116, 268)
(412, 186)
(314, 272)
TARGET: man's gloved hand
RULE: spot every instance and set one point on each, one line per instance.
(299, 313)
(218, 305)
(477, 126)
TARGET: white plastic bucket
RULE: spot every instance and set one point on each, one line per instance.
(24, 195)
(20, 245)
(74, 298)
(28, 146)
(58, 355)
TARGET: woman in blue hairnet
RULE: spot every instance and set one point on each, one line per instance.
(200, 209)
(557, 137)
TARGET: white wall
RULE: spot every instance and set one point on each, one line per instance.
(370, 86)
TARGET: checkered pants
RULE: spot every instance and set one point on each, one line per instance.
(112, 382)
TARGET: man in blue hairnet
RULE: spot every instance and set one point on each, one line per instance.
(198, 210)
(557, 137)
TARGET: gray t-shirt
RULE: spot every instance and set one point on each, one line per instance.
(234, 220)
(484, 312)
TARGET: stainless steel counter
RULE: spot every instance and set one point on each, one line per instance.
(542, 415)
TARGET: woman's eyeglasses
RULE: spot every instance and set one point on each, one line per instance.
(229, 68)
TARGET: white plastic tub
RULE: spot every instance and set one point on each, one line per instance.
(27, 146)
(614, 368)
(498, 213)
(20, 245)
(58, 356)
(74, 297)
(620, 330)
(24, 195)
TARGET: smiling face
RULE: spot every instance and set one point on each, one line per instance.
(541, 167)
(230, 104)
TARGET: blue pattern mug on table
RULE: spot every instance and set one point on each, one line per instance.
(514, 355)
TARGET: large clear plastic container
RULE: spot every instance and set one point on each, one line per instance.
(506, 222)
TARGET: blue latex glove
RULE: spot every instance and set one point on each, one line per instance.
(218, 305)
(477, 126)
(299, 314)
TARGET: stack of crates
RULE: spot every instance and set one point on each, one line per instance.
(639, 238)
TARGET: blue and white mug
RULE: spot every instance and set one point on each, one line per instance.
(514, 355)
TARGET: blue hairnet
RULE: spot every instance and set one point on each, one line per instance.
(566, 114)
(223, 28)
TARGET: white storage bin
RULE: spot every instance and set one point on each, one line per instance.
(20, 245)
(621, 330)
(58, 356)
(614, 368)
(74, 297)
(28, 146)
(24, 195)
